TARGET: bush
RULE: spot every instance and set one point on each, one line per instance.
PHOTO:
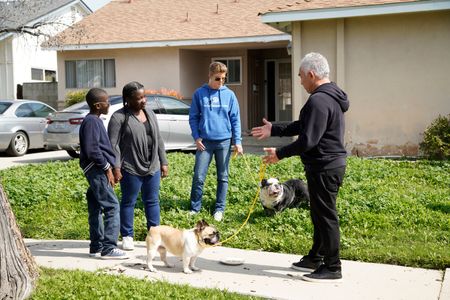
(75, 97)
(166, 92)
(436, 139)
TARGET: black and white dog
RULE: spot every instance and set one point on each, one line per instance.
(276, 197)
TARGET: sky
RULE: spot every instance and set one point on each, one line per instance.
(95, 4)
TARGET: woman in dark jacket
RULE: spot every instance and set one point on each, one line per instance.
(140, 159)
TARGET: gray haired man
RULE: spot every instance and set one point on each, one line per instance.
(320, 145)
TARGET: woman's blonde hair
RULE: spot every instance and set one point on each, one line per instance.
(217, 67)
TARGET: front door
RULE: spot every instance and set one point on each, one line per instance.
(278, 90)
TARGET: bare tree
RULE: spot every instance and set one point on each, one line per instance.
(18, 270)
(24, 17)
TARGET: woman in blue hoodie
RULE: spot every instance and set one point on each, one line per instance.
(215, 125)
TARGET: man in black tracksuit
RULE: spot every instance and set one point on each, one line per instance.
(320, 144)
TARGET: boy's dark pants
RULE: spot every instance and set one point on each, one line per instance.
(103, 231)
(323, 188)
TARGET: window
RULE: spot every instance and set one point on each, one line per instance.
(4, 107)
(37, 74)
(234, 69)
(40, 110)
(153, 105)
(174, 107)
(24, 111)
(90, 73)
(50, 75)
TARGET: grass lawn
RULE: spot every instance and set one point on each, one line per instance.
(391, 211)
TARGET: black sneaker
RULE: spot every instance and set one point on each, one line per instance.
(323, 274)
(307, 264)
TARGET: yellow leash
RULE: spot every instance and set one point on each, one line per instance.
(261, 174)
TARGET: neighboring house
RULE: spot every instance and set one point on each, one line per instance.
(170, 44)
(21, 57)
(391, 57)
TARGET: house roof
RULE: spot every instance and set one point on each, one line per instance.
(147, 23)
(326, 9)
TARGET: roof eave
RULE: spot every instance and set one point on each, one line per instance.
(356, 11)
(177, 43)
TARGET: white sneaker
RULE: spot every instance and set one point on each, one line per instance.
(127, 243)
(218, 216)
(115, 254)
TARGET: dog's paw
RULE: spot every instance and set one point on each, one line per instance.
(169, 265)
(152, 269)
(194, 268)
(187, 271)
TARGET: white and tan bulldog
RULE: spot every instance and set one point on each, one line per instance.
(187, 244)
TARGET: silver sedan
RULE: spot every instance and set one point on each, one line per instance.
(22, 123)
(172, 114)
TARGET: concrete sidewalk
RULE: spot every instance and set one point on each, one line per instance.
(263, 274)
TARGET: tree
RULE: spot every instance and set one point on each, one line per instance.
(18, 270)
(24, 17)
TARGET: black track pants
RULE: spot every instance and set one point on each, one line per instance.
(323, 189)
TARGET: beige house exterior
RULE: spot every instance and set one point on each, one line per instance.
(170, 44)
(391, 57)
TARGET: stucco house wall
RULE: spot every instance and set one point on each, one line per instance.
(394, 69)
(183, 70)
(153, 67)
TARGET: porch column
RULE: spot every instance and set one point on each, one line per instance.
(340, 54)
(298, 94)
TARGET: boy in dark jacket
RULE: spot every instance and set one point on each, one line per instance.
(96, 160)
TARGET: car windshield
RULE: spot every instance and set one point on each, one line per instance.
(78, 106)
(4, 106)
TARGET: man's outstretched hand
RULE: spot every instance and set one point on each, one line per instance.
(262, 132)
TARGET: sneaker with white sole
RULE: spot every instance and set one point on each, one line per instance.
(95, 254)
(307, 264)
(127, 243)
(193, 212)
(218, 216)
(115, 254)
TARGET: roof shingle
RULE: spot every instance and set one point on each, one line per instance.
(169, 20)
(318, 4)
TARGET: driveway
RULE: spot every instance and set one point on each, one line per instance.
(33, 157)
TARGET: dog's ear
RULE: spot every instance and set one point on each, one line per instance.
(263, 182)
(201, 225)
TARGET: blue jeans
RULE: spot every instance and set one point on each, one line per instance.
(103, 211)
(221, 152)
(130, 186)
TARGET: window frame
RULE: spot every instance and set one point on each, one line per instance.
(103, 79)
(228, 58)
(41, 71)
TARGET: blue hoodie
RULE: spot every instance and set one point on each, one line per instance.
(214, 115)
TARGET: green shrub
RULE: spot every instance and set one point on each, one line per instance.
(436, 139)
(75, 97)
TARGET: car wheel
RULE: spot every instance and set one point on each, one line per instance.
(73, 153)
(18, 145)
